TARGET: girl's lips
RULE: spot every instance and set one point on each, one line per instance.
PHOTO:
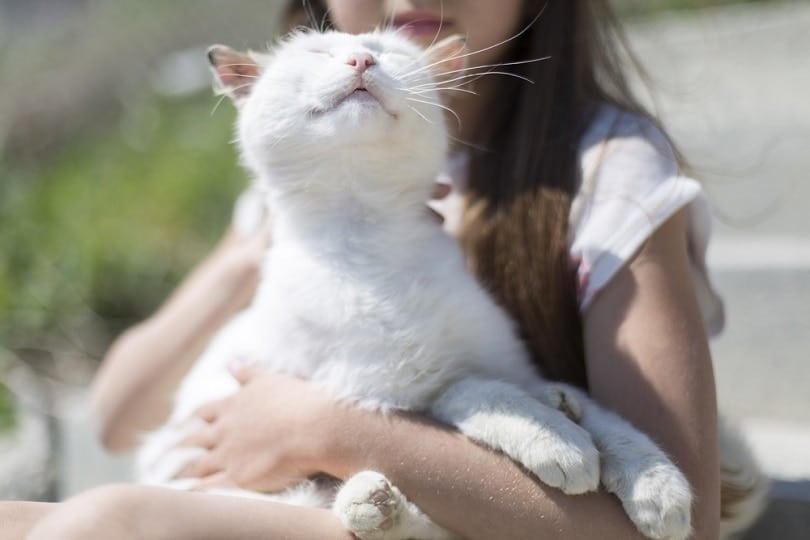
(420, 24)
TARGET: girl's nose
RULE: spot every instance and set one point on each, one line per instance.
(360, 61)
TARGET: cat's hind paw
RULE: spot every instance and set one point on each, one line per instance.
(369, 506)
(660, 502)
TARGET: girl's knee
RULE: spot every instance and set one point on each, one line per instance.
(101, 513)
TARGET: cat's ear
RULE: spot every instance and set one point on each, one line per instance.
(234, 72)
(448, 57)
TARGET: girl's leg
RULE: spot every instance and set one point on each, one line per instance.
(17, 518)
(131, 512)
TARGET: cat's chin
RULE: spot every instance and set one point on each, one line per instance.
(361, 98)
(359, 104)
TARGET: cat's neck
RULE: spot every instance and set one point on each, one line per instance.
(333, 208)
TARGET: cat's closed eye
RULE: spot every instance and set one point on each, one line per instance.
(320, 51)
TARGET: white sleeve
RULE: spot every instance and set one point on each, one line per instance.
(630, 185)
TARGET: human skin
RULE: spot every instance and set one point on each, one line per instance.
(133, 390)
(647, 359)
(463, 486)
(486, 25)
(652, 354)
(126, 399)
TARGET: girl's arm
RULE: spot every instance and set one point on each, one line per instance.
(647, 360)
(133, 389)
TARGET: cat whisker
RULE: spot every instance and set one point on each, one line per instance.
(217, 104)
(472, 77)
(468, 144)
(225, 94)
(324, 20)
(496, 45)
(441, 89)
(439, 105)
(239, 87)
(468, 73)
(494, 66)
(243, 75)
(421, 115)
(388, 23)
(311, 14)
(441, 22)
(388, 19)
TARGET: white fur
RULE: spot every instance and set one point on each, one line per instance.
(367, 297)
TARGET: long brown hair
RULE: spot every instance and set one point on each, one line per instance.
(524, 171)
(515, 231)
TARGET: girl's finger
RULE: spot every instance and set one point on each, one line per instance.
(210, 411)
(200, 467)
(218, 480)
(205, 437)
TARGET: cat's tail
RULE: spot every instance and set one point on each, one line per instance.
(743, 486)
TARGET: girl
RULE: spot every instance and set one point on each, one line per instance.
(574, 216)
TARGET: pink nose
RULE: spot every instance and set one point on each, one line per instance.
(361, 61)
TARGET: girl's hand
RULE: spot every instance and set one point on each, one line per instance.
(268, 436)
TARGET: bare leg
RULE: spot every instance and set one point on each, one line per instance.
(17, 518)
(130, 512)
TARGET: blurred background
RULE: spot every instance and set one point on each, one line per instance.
(117, 175)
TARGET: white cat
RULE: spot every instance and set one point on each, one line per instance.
(366, 296)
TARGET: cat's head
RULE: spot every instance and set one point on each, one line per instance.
(330, 95)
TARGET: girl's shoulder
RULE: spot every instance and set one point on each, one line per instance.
(630, 183)
(620, 150)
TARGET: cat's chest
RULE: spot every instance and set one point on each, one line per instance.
(345, 310)
(337, 293)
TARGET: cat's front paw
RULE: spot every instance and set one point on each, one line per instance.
(659, 502)
(567, 459)
(561, 397)
(368, 505)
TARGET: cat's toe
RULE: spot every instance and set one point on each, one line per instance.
(660, 504)
(569, 462)
(561, 398)
(368, 505)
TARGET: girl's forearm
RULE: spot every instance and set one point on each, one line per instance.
(133, 389)
(469, 489)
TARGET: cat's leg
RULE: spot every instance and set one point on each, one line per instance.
(655, 494)
(372, 508)
(533, 433)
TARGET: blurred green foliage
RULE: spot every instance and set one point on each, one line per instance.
(109, 227)
(6, 410)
